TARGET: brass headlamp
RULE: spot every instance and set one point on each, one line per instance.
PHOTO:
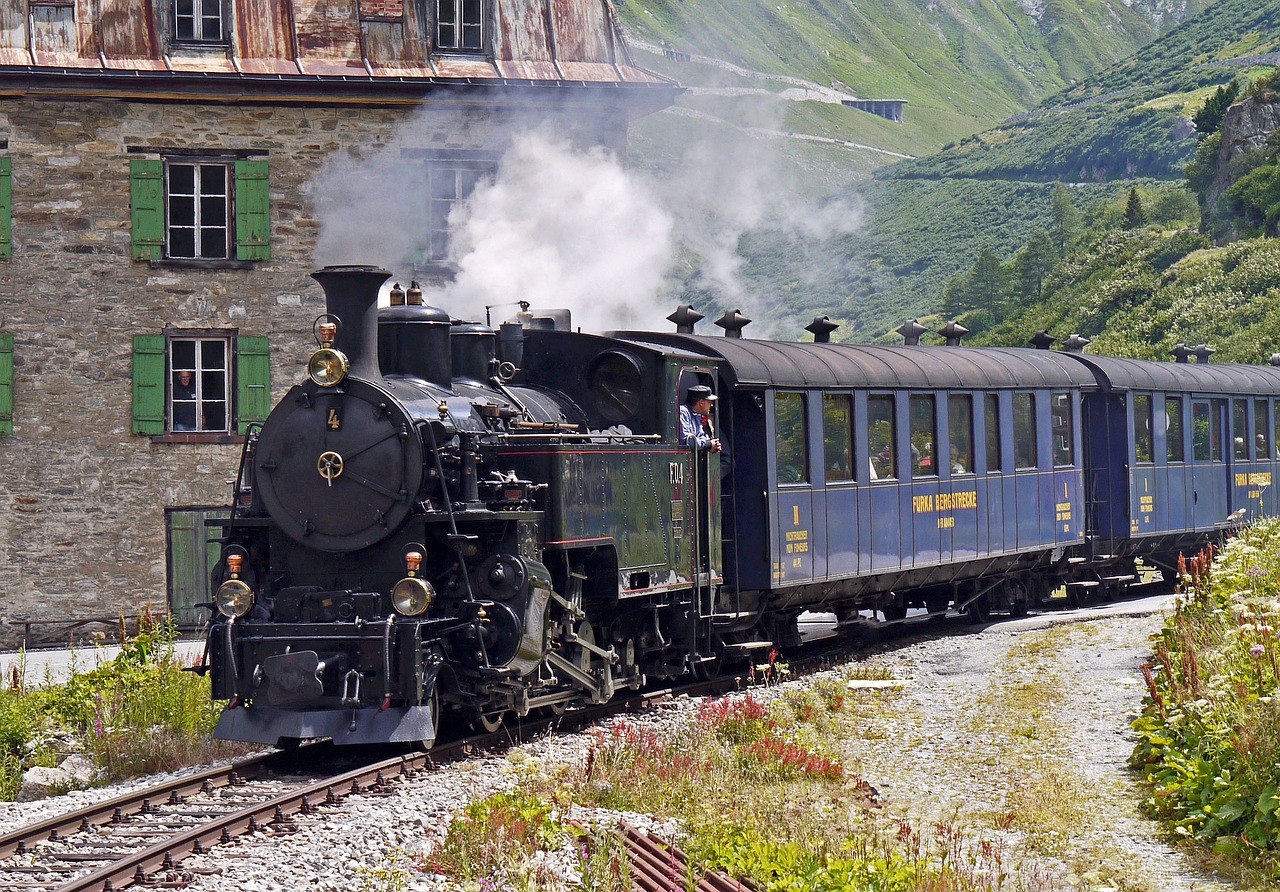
(327, 366)
(234, 597)
(412, 596)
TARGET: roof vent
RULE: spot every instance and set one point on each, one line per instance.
(1180, 353)
(821, 328)
(685, 318)
(1202, 352)
(954, 332)
(1041, 340)
(1076, 343)
(911, 332)
(733, 322)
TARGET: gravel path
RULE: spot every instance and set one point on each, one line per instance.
(1023, 726)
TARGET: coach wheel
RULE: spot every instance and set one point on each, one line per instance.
(980, 609)
(895, 611)
(1018, 599)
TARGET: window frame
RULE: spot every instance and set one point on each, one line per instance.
(199, 14)
(801, 427)
(1023, 438)
(460, 23)
(1143, 428)
(924, 440)
(837, 434)
(1175, 446)
(202, 376)
(198, 200)
(960, 427)
(876, 455)
(482, 167)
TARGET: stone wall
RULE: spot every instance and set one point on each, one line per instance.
(82, 499)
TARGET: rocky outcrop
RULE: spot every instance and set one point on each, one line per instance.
(74, 773)
(1247, 130)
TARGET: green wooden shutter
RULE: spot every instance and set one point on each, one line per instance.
(146, 178)
(6, 208)
(148, 384)
(6, 383)
(253, 211)
(253, 377)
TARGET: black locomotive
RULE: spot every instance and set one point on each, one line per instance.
(451, 518)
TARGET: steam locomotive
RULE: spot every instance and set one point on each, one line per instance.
(451, 519)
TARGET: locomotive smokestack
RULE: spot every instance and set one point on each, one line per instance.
(351, 294)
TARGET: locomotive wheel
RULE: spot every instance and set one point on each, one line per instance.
(487, 722)
(583, 658)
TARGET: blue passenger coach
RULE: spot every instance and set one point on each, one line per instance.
(1177, 453)
(853, 473)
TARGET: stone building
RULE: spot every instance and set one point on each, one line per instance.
(158, 222)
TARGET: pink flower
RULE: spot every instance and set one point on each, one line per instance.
(1257, 650)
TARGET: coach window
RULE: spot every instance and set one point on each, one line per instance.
(1262, 424)
(1206, 434)
(924, 428)
(1063, 427)
(792, 438)
(837, 435)
(995, 456)
(882, 441)
(960, 436)
(1239, 430)
(1174, 449)
(460, 25)
(1025, 452)
(1142, 427)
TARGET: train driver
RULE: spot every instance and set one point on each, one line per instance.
(695, 419)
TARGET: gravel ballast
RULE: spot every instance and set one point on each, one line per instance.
(978, 724)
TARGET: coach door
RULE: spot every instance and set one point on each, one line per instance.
(1211, 474)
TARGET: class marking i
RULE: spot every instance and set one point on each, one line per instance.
(795, 515)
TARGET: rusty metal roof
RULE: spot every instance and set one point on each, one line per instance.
(759, 363)
(299, 45)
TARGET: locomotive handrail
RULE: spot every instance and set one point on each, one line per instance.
(622, 438)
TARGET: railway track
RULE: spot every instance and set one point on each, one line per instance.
(142, 838)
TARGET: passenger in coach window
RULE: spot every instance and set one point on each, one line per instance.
(695, 419)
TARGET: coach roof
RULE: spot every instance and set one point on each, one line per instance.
(1115, 373)
(757, 363)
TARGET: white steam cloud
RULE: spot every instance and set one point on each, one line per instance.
(559, 227)
(563, 227)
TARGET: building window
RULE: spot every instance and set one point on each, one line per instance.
(197, 211)
(449, 183)
(198, 20)
(460, 25)
(199, 383)
(200, 209)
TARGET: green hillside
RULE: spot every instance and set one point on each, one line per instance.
(975, 76)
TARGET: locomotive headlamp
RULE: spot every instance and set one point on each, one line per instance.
(327, 367)
(413, 594)
(234, 597)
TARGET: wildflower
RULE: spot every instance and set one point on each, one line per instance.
(1257, 650)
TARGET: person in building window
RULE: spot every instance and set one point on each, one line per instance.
(695, 420)
(184, 401)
